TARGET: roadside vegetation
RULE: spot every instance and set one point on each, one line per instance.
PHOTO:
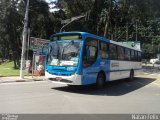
(119, 20)
(7, 69)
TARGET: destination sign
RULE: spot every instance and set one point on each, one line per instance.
(66, 37)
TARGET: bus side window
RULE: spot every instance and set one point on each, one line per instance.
(132, 55)
(139, 56)
(112, 52)
(127, 54)
(104, 50)
(90, 52)
(136, 55)
(120, 53)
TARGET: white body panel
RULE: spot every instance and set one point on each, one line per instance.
(121, 69)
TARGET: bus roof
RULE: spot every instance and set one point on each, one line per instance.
(68, 33)
(95, 36)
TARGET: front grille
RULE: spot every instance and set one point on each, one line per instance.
(62, 80)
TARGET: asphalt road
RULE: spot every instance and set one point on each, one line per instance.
(141, 95)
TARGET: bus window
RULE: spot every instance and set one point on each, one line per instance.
(139, 56)
(120, 53)
(104, 50)
(113, 52)
(90, 52)
(132, 55)
(136, 55)
(127, 54)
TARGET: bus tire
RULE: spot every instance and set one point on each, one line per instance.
(100, 80)
(131, 75)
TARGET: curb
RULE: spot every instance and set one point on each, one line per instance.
(29, 80)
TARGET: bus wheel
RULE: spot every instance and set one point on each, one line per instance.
(100, 80)
(131, 76)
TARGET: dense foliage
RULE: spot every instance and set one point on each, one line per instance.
(119, 20)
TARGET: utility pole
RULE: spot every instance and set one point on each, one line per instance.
(25, 30)
(28, 41)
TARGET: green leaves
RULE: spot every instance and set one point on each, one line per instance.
(115, 19)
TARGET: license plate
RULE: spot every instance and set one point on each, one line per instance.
(58, 78)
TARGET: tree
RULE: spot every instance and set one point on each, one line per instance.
(119, 20)
(9, 33)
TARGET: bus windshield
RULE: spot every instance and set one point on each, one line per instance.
(64, 53)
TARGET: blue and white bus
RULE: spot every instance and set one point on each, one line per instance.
(80, 58)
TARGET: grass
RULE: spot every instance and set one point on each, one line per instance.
(6, 69)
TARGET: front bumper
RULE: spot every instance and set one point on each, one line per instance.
(74, 79)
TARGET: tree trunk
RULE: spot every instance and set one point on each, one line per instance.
(15, 65)
(108, 20)
(106, 28)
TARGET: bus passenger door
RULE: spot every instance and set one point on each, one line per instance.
(90, 61)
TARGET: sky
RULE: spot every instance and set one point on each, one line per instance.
(51, 5)
(50, 1)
